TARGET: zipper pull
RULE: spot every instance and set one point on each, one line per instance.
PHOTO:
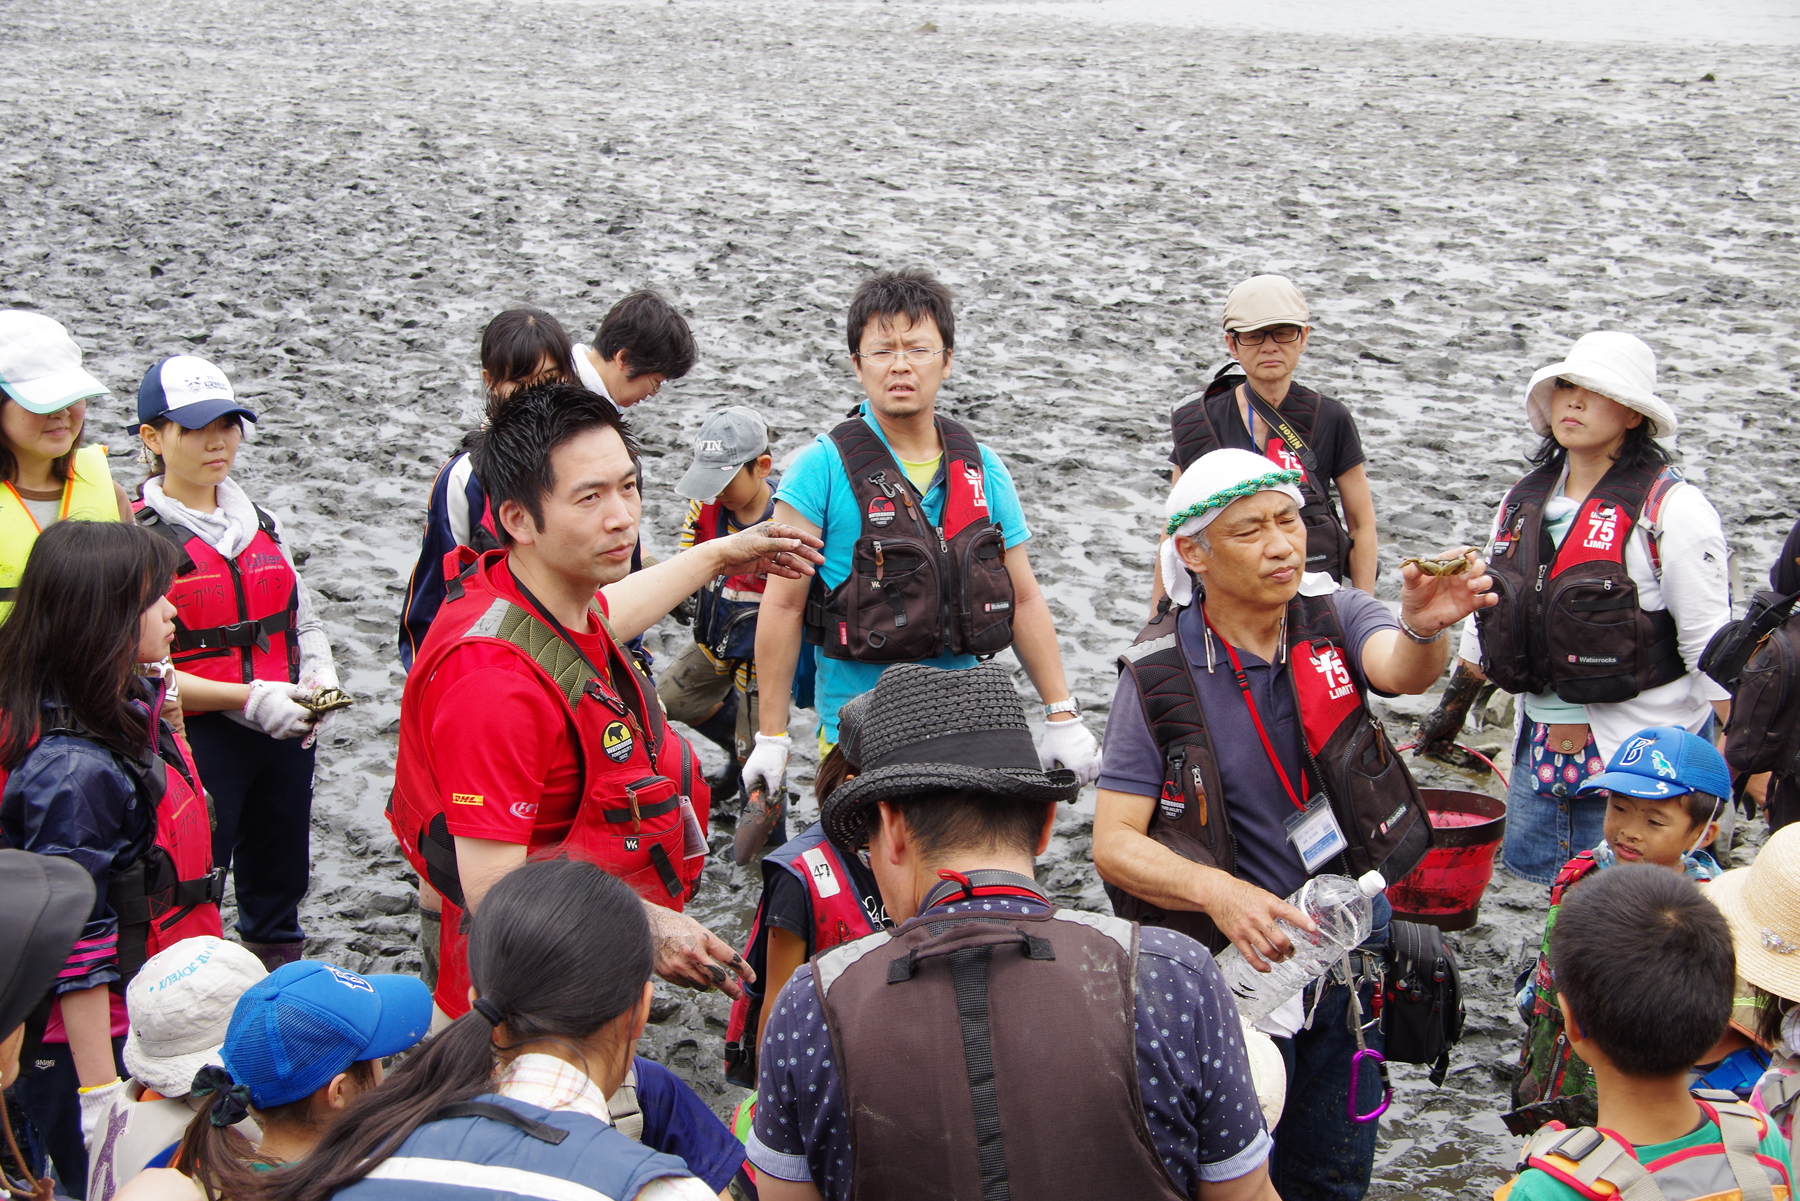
(880, 564)
(637, 823)
(1607, 585)
(1542, 568)
(1380, 738)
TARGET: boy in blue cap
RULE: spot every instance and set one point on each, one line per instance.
(1664, 790)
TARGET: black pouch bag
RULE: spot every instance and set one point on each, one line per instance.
(1729, 650)
(1421, 998)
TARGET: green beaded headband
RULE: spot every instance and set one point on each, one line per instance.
(1224, 496)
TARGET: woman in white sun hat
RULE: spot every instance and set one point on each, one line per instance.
(180, 1004)
(1611, 574)
(46, 474)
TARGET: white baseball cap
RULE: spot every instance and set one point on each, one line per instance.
(188, 390)
(180, 1003)
(40, 365)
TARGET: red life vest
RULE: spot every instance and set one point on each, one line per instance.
(235, 617)
(838, 916)
(727, 607)
(171, 891)
(640, 780)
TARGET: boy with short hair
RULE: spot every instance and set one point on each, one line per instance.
(1645, 967)
(1663, 793)
(711, 686)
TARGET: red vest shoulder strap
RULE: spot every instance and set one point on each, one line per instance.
(1572, 872)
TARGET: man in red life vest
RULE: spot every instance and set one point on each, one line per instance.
(524, 728)
(1242, 759)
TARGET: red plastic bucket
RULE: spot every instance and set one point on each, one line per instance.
(1445, 889)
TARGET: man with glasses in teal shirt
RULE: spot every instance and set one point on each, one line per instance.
(901, 333)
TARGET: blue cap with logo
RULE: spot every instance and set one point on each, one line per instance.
(1663, 761)
(305, 1022)
(189, 391)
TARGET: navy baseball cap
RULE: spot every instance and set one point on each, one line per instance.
(305, 1022)
(189, 391)
(1663, 761)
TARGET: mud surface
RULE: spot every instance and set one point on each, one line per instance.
(330, 199)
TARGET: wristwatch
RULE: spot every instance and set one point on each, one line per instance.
(1068, 706)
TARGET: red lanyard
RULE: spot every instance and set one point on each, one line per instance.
(1243, 683)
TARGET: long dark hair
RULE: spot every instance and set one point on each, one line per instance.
(62, 469)
(559, 948)
(73, 633)
(220, 1160)
(1639, 450)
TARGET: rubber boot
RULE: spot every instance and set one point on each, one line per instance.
(276, 954)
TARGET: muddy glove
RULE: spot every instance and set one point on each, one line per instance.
(1071, 744)
(766, 767)
(1439, 728)
(274, 708)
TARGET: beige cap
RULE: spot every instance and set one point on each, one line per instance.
(1265, 300)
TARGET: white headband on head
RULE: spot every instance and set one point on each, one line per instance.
(1209, 484)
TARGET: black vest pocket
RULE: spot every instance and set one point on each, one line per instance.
(890, 608)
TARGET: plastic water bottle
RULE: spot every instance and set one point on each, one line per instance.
(1342, 910)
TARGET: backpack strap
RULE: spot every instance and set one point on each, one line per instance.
(1586, 1159)
(624, 1108)
(1741, 1129)
(1650, 517)
(1778, 1092)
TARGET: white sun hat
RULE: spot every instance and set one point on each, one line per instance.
(40, 364)
(1612, 363)
(180, 1004)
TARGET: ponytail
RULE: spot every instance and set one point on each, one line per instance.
(557, 950)
(213, 1154)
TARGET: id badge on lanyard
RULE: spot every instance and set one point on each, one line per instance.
(1315, 834)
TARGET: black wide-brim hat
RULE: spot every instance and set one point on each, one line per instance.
(927, 729)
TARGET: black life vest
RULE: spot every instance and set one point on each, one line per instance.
(1372, 794)
(1195, 421)
(915, 591)
(949, 1086)
(725, 614)
(1568, 620)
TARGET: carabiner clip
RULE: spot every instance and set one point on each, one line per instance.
(1387, 1087)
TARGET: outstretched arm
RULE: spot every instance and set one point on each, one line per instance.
(643, 598)
(1429, 604)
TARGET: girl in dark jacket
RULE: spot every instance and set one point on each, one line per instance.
(92, 776)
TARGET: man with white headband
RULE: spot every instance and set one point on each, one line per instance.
(1257, 659)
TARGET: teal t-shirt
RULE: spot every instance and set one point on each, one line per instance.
(1537, 1185)
(818, 488)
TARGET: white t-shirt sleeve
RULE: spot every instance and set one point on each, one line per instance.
(1695, 583)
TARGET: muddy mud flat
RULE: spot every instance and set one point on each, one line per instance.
(330, 200)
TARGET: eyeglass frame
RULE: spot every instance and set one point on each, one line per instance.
(887, 358)
(1256, 337)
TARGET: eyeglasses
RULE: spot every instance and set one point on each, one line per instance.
(1255, 337)
(886, 358)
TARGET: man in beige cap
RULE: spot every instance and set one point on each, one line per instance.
(1254, 404)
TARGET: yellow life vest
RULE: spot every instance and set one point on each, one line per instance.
(88, 495)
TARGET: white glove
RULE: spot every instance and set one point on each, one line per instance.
(1070, 744)
(316, 667)
(96, 1103)
(319, 727)
(767, 765)
(274, 709)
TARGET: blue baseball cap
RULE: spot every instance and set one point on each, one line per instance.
(188, 390)
(305, 1022)
(1663, 761)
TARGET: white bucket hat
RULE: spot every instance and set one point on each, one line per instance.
(1614, 364)
(180, 1004)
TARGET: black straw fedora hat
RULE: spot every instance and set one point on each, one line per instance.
(926, 729)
